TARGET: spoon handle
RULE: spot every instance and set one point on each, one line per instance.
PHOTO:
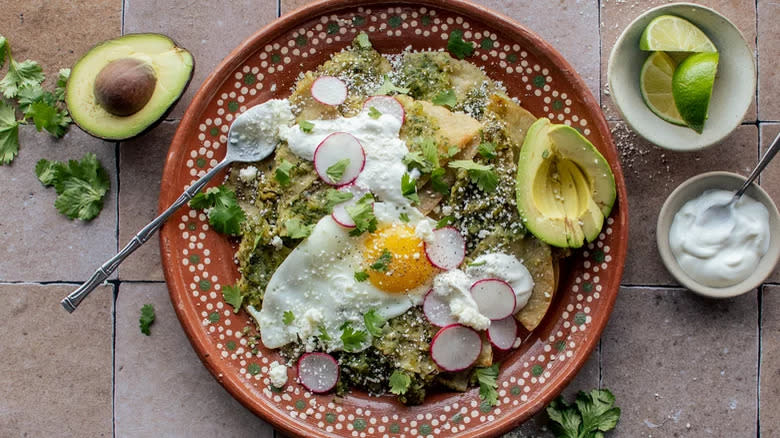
(72, 301)
(770, 153)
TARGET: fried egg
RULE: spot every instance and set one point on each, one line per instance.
(317, 286)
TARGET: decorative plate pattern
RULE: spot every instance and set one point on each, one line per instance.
(199, 262)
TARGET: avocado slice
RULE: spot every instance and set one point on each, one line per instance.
(565, 188)
(121, 87)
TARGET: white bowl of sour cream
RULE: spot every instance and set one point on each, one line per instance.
(715, 258)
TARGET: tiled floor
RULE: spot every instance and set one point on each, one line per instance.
(678, 365)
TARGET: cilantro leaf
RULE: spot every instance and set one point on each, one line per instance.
(146, 319)
(482, 175)
(404, 217)
(430, 151)
(409, 188)
(443, 222)
(3, 50)
(374, 113)
(29, 95)
(381, 264)
(49, 117)
(306, 126)
(486, 377)
(282, 173)
(296, 229)
(9, 133)
(487, 150)
(232, 295)
(590, 416)
(80, 185)
(62, 81)
(457, 46)
(362, 41)
(334, 197)
(416, 160)
(336, 170)
(225, 215)
(362, 213)
(352, 339)
(361, 276)
(374, 323)
(399, 382)
(20, 75)
(437, 181)
(445, 98)
(324, 336)
(288, 317)
(388, 87)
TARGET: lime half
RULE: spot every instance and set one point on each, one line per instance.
(674, 34)
(655, 83)
(692, 88)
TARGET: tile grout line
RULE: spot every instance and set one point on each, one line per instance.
(758, 73)
(118, 282)
(601, 94)
(758, 365)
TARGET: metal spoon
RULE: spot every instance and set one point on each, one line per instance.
(247, 142)
(721, 213)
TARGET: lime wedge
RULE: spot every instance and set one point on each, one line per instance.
(655, 83)
(692, 88)
(674, 34)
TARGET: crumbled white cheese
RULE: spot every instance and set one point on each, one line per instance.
(248, 174)
(424, 230)
(278, 374)
(277, 242)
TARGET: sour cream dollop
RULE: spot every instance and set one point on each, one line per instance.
(720, 253)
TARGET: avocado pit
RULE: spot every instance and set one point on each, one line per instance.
(124, 86)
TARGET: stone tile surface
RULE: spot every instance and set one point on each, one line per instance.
(652, 173)
(141, 162)
(55, 376)
(617, 14)
(43, 30)
(578, 40)
(769, 418)
(768, 48)
(682, 366)
(162, 388)
(210, 31)
(39, 243)
(586, 380)
(770, 177)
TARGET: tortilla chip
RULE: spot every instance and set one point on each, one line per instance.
(516, 119)
(537, 257)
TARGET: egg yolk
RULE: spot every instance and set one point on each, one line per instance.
(395, 259)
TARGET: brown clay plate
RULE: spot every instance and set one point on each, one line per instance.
(198, 261)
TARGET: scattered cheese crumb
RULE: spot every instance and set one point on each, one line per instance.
(276, 242)
(278, 374)
(248, 174)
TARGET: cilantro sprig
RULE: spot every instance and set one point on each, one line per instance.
(458, 46)
(225, 215)
(362, 213)
(232, 295)
(374, 113)
(334, 197)
(399, 382)
(445, 98)
(337, 169)
(383, 261)
(590, 416)
(388, 88)
(486, 377)
(480, 174)
(288, 317)
(146, 319)
(409, 188)
(80, 185)
(282, 175)
(374, 323)
(296, 229)
(352, 339)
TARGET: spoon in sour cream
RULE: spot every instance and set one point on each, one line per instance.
(721, 215)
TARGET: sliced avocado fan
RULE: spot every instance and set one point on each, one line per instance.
(565, 188)
(121, 87)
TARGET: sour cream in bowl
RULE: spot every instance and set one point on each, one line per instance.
(715, 258)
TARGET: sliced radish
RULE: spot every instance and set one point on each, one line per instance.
(437, 311)
(447, 248)
(318, 372)
(340, 214)
(386, 105)
(456, 347)
(502, 333)
(329, 90)
(495, 298)
(335, 148)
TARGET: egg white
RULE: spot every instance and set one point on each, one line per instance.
(316, 282)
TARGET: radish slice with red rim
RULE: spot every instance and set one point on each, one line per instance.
(495, 298)
(456, 347)
(447, 248)
(437, 311)
(329, 90)
(502, 333)
(331, 154)
(318, 372)
(386, 105)
(340, 214)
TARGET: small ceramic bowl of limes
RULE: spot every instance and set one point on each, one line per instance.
(682, 76)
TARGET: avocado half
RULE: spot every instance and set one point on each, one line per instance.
(565, 188)
(121, 87)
